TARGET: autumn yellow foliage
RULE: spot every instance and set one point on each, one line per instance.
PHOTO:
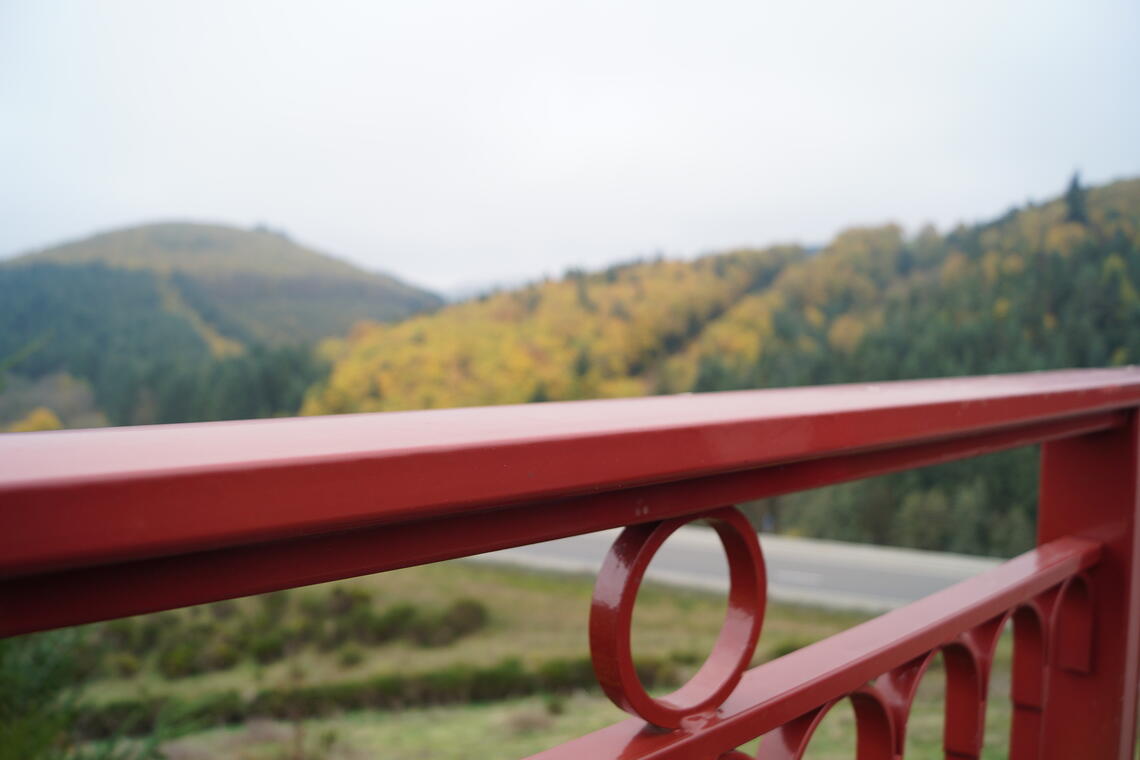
(584, 336)
(40, 418)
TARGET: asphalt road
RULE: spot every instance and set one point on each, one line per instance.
(806, 571)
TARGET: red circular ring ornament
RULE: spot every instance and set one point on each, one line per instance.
(611, 619)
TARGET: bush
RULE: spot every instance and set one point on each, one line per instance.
(393, 622)
(309, 631)
(465, 616)
(461, 618)
(428, 630)
(452, 684)
(566, 675)
(121, 664)
(179, 659)
(350, 656)
(220, 655)
(123, 717)
(266, 647)
(653, 672)
(135, 717)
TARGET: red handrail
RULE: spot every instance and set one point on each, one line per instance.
(104, 523)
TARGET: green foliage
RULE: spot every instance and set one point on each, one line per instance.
(266, 646)
(34, 673)
(440, 629)
(250, 285)
(1075, 210)
(180, 659)
(350, 656)
(449, 684)
(40, 718)
(176, 323)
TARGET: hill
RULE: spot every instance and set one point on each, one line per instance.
(175, 322)
(586, 335)
(1044, 286)
(245, 285)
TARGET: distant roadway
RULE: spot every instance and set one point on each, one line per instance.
(829, 574)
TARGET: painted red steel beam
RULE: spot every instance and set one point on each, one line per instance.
(35, 600)
(55, 599)
(78, 498)
(780, 691)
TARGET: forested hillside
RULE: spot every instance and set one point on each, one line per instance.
(1044, 286)
(585, 336)
(177, 322)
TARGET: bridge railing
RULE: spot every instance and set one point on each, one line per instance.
(98, 524)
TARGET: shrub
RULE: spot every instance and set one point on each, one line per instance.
(455, 683)
(121, 664)
(428, 630)
(566, 675)
(393, 622)
(350, 656)
(123, 717)
(266, 647)
(440, 629)
(309, 631)
(465, 616)
(179, 659)
(220, 654)
(654, 672)
(508, 678)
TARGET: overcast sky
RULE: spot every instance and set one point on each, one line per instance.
(468, 142)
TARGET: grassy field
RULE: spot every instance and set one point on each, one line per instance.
(533, 616)
(519, 728)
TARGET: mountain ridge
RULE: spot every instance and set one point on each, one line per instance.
(145, 315)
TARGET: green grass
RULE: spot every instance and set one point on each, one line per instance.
(534, 616)
(522, 727)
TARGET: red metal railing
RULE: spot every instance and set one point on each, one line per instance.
(106, 523)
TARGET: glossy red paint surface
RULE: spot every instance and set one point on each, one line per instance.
(101, 524)
(611, 619)
(1090, 487)
(74, 498)
(780, 691)
(39, 600)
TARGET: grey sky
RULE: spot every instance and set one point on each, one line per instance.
(466, 142)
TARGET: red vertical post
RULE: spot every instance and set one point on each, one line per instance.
(1089, 488)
